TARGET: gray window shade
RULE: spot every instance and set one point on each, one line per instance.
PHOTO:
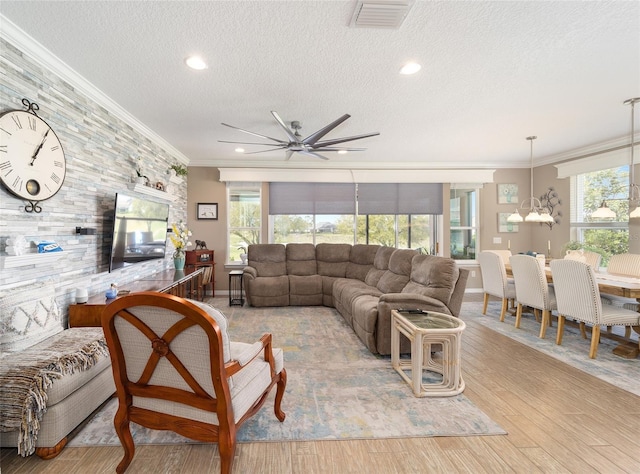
(311, 198)
(400, 198)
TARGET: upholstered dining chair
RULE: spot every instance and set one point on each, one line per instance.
(495, 281)
(532, 289)
(578, 298)
(590, 258)
(176, 369)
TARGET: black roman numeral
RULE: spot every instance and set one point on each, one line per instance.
(32, 123)
(57, 164)
(5, 165)
(55, 178)
(3, 148)
(17, 183)
(16, 120)
(54, 148)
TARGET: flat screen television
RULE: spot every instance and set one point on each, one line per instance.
(139, 231)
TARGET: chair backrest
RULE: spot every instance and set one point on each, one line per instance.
(625, 264)
(504, 254)
(577, 293)
(590, 258)
(494, 273)
(532, 288)
(166, 350)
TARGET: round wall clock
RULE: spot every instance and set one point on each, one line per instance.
(32, 162)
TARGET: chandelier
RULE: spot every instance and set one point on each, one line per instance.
(536, 212)
(604, 212)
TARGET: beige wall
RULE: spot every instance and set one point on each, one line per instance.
(204, 186)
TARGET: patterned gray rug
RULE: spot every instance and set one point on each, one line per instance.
(336, 388)
(574, 350)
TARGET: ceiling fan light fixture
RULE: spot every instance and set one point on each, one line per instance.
(239, 150)
(410, 68)
(195, 62)
(342, 152)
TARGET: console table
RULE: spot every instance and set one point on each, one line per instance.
(183, 283)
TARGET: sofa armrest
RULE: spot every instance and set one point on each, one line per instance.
(249, 272)
(391, 301)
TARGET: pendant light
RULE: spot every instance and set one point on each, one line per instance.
(634, 192)
(536, 213)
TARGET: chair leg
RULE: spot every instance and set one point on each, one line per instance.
(485, 303)
(544, 324)
(227, 449)
(560, 329)
(518, 315)
(627, 332)
(583, 331)
(595, 340)
(536, 313)
(121, 423)
(503, 309)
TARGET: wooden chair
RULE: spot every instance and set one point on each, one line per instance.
(495, 281)
(532, 289)
(578, 298)
(176, 369)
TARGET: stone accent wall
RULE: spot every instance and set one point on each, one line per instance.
(101, 150)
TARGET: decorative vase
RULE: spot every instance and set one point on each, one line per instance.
(178, 262)
(243, 257)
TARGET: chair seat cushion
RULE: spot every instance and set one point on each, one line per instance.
(614, 315)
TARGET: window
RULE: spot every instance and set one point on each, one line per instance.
(463, 222)
(588, 190)
(244, 213)
(396, 215)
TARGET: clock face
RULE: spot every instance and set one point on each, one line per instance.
(32, 163)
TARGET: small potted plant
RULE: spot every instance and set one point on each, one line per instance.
(140, 178)
(243, 254)
(177, 170)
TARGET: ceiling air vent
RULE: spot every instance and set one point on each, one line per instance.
(380, 13)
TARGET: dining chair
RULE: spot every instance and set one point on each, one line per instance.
(627, 264)
(495, 281)
(532, 289)
(578, 298)
(176, 369)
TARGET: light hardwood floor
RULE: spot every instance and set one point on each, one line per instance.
(558, 419)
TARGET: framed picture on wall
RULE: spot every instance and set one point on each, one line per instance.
(503, 225)
(207, 211)
(507, 194)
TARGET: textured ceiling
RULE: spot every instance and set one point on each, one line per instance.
(493, 73)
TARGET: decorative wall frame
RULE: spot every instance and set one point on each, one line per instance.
(507, 194)
(207, 211)
(503, 225)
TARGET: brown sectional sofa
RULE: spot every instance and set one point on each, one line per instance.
(363, 282)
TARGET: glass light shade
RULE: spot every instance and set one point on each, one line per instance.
(533, 216)
(546, 217)
(604, 212)
(515, 217)
(635, 213)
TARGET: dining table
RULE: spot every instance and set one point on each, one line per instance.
(615, 285)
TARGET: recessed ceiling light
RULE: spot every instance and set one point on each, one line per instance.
(196, 62)
(410, 68)
(239, 150)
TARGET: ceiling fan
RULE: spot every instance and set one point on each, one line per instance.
(310, 146)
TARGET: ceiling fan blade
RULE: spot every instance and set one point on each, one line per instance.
(287, 130)
(289, 154)
(311, 153)
(337, 148)
(249, 143)
(255, 134)
(264, 151)
(314, 137)
(346, 139)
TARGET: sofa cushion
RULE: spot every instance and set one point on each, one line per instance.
(333, 259)
(28, 315)
(397, 276)
(269, 291)
(305, 290)
(361, 261)
(380, 265)
(301, 259)
(268, 259)
(432, 276)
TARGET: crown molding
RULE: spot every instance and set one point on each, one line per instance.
(29, 46)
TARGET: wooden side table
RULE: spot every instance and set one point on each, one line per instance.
(424, 329)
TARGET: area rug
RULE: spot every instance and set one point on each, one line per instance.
(336, 389)
(574, 350)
